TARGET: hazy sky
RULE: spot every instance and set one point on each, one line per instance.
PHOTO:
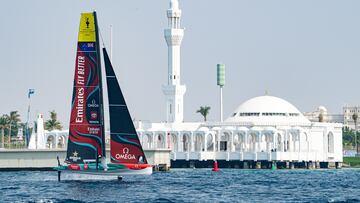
(305, 51)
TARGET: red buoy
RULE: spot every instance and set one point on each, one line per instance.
(216, 168)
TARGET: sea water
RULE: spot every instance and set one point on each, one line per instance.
(186, 185)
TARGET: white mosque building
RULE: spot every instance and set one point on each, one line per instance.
(263, 129)
(261, 132)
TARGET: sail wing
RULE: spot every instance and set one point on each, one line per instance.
(86, 132)
(124, 145)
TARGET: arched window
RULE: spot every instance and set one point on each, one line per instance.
(279, 142)
(174, 143)
(199, 142)
(330, 142)
(186, 143)
(51, 141)
(209, 141)
(160, 141)
(146, 141)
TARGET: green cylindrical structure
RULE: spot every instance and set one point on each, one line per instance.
(221, 75)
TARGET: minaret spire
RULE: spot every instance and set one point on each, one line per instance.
(174, 4)
(174, 91)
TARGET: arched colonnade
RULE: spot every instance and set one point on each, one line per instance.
(228, 139)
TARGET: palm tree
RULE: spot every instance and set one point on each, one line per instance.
(4, 123)
(53, 123)
(355, 117)
(14, 120)
(204, 111)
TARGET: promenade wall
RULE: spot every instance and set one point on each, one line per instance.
(46, 159)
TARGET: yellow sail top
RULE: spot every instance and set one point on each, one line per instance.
(87, 28)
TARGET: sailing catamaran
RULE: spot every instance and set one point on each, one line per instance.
(86, 144)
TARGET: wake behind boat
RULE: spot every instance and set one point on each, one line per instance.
(86, 144)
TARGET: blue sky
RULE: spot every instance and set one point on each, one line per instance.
(306, 52)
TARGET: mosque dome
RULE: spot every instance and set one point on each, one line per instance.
(322, 109)
(268, 110)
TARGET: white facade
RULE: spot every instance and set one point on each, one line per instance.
(37, 140)
(43, 139)
(262, 128)
(174, 91)
(56, 139)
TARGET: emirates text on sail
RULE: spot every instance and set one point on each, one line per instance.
(80, 92)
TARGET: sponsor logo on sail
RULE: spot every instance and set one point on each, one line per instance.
(80, 81)
(126, 150)
(87, 23)
(75, 157)
(93, 115)
(93, 104)
(87, 46)
(94, 130)
(125, 155)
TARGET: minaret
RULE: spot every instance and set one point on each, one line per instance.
(37, 140)
(174, 91)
